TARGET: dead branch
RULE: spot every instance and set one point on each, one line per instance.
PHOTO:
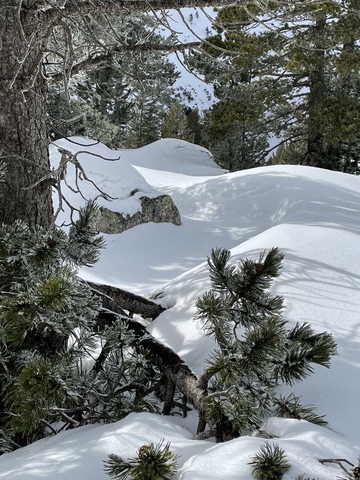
(171, 364)
(175, 370)
(58, 175)
(338, 461)
(118, 300)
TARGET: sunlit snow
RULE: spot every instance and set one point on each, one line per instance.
(312, 215)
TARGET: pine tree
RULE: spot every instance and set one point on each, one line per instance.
(151, 77)
(48, 334)
(234, 131)
(301, 66)
(195, 124)
(256, 350)
(288, 154)
(65, 115)
(175, 124)
(122, 104)
(144, 125)
(47, 317)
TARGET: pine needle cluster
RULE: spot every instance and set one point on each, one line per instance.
(270, 463)
(153, 462)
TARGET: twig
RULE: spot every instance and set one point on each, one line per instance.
(338, 461)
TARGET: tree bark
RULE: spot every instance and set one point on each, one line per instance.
(23, 132)
(171, 364)
(176, 372)
(169, 396)
(118, 300)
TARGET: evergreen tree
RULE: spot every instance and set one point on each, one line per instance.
(48, 334)
(46, 319)
(256, 351)
(288, 154)
(175, 124)
(65, 115)
(97, 105)
(234, 131)
(301, 63)
(107, 90)
(144, 125)
(151, 92)
(195, 124)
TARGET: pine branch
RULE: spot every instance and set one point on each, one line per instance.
(256, 350)
(118, 300)
(291, 407)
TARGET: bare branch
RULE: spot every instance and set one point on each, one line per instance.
(66, 417)
(89, 7)
(108, 57)
(339, 461)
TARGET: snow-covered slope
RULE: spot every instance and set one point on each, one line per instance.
(313, 216)
(108, 176)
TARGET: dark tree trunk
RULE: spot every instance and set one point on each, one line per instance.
(118, 300)
(169, 396)
(23, 132)
(315, 137)
(177, 373)
(171, 364)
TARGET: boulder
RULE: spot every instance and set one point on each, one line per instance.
(153, 209)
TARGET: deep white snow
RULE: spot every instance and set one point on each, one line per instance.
(312, 215)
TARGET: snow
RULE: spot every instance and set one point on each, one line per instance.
(312, 215)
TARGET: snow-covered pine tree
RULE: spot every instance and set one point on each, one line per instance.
(47, 317)
(257, 351)
(51, 374)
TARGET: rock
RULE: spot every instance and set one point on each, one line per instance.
(157, 209)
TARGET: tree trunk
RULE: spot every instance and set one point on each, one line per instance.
(315, 138)
(177, 374)
(171, 364)
(23, 132)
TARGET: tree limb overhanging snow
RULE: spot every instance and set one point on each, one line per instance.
(116, 299)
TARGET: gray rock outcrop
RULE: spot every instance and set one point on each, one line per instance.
(157, 209)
